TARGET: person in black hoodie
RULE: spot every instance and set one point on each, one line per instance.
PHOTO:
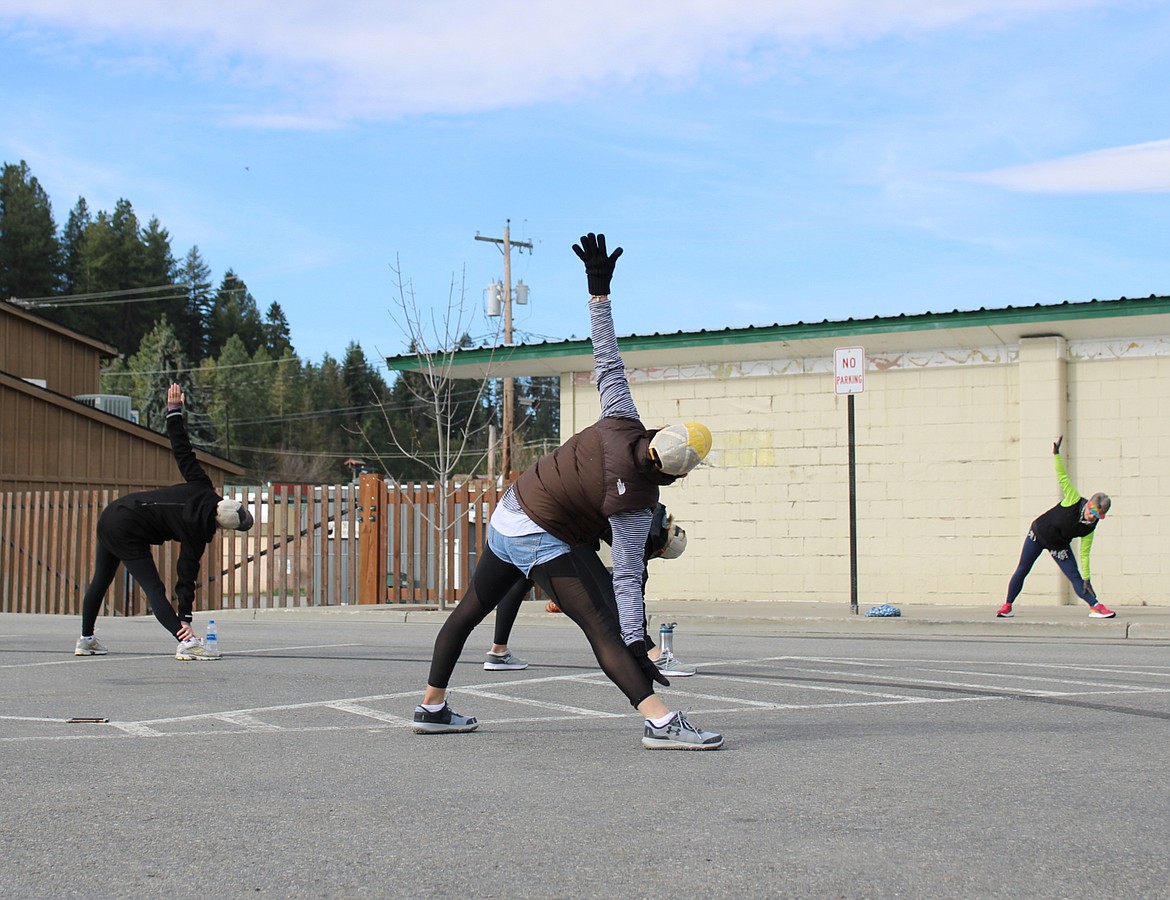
(188, 513)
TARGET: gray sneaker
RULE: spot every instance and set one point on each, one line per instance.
(668, 664)
(445, 721)
(89, 647)
(496, 662)
(195, 649)
(679, 734)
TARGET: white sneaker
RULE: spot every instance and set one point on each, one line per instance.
(669, 665)
(195, 649)
(498, 662)
(679, 734)
(89, 647)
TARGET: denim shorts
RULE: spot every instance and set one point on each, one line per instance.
(526, 550)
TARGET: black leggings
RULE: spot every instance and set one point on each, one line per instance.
(1063, 557)
(507, 610)
(600, 577)
(574, 589)
(142, 571)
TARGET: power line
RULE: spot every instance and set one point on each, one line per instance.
(117, 298)
(59, 298)
(70, 304)
(134, 373)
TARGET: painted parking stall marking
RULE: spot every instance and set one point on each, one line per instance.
(724, 688)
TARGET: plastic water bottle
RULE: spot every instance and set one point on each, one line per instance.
(666, 639)
(212, 635)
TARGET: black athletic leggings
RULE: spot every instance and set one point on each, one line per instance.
(1063, 556)
(142, 571)
(574, 589)
(600, 576)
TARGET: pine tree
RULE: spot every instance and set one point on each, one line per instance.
(195, 322)
(234, 312)
(72, 247)
(276, 331)
(30, 256)
(159, 270)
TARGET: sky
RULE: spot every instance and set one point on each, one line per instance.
(760, 161)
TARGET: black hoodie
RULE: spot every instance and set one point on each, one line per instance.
(182, 512)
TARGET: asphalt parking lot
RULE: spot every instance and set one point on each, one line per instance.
(856, 765)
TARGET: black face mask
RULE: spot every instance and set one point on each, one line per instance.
(649, 467)
(657, 476)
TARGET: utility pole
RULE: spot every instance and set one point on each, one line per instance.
(507, 244)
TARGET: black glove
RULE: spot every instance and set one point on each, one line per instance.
(638, 651)
(598, 265)
(1056, 446)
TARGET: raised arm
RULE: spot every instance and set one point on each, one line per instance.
(610, 372)
(1071, 495)
(181, 447)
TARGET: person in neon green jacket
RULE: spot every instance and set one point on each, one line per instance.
(1072, 517)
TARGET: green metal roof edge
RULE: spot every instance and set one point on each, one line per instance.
(751, 334)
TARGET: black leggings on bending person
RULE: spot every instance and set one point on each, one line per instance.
(144, 572)
(507, 610)
(588, 562)
(572, 587)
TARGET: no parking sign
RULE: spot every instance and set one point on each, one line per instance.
(849, 370)
(849, 378)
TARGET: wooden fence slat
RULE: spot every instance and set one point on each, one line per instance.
(25, 588)
(301, 555)
(5, 546)
(334, 544)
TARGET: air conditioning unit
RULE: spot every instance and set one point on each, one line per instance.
(115, 404)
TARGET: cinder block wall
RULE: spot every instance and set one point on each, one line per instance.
(954, 460)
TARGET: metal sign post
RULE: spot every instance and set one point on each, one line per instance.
(849, 378)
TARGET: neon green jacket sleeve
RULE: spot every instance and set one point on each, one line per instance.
(1072, 497)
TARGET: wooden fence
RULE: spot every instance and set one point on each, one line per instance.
(419, 543)
(312, 545)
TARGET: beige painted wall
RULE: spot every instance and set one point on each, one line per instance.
(954, 460)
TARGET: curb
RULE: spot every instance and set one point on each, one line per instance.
(1145, 624)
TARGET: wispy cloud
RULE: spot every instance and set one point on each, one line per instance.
(383, 60)
(1137, 168)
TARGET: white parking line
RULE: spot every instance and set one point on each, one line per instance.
(248, 723)
(137, 729)
(358, 709)
(1015, 689)
(111, 658)
(542, 704)
(715, 694)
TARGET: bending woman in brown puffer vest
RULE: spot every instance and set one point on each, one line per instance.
(607, 475)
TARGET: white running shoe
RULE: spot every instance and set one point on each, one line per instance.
(670, 666)
(89, 647)
(679, 734)
(195, 649)
(497, 662)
